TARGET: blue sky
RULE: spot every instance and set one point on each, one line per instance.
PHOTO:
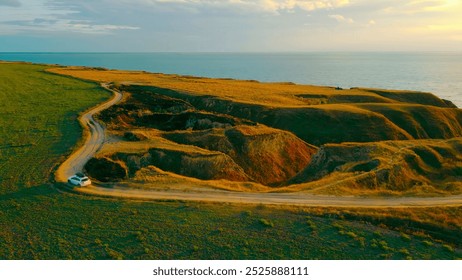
(230, 25)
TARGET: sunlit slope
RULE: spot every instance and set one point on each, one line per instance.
(270, 156)
(317, 115)
(421, 121)
(243, 153)
(414, 167)
(123, 159)
(335, 123)
(254, 92)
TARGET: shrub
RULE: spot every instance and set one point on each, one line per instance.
(384, 245)
(266, 223)
(427, 243)
(404, 251)
(351, 234)
(115, 255)
(405, 236)
(362, 242)
(374, 243)
(247, 213)
(338, 226)
(311, 224)
(449, 248)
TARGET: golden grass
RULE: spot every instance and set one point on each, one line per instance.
(251, 92)
(154, 140)
(248, 130)
(156, 179)
(416, 167)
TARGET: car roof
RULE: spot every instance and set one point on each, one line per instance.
(78, 178)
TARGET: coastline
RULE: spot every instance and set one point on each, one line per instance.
(373, 70)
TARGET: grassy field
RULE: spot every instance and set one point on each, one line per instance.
(38, 113)
(38, 225)
(38, 125)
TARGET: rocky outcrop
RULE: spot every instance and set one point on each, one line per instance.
(201, 165)
(391, 165)
(206, 167)
(346, 117)
(269, 156)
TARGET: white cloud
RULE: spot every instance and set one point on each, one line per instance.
(85, 27)
(314, 5)
(422, 6)
(44, 16)
(341, 18)
(272, 6)
(371, 23)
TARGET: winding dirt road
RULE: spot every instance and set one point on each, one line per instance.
(95, 137)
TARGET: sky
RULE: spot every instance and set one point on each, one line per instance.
(230, 25)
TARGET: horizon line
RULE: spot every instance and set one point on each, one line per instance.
(227, 52)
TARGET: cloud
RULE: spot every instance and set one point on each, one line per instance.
(271, 6)
(84, 27)
(312, 5)
(371, 23)
(48, 16)
(10, 3)
(89, 28)
(421, 6)
(445, 27)
(340, 18)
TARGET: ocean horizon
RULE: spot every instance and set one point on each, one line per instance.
(436, 72)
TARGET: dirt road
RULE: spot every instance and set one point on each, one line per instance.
(95, 138)
(275, 198)
(95, 135)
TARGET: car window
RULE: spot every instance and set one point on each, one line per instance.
(84, 179)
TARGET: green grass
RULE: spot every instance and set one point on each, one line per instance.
(41, 224)
(38, 222)
(38, 124)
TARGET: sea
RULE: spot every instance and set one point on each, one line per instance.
(436, 72)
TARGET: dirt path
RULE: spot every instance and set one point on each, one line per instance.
(96, 134)
(299, 199)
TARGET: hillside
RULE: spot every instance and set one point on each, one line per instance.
(281, 136)
(389, 167)
(40, 220)
(317, 115)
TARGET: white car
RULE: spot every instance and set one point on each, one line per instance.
(79, 179)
